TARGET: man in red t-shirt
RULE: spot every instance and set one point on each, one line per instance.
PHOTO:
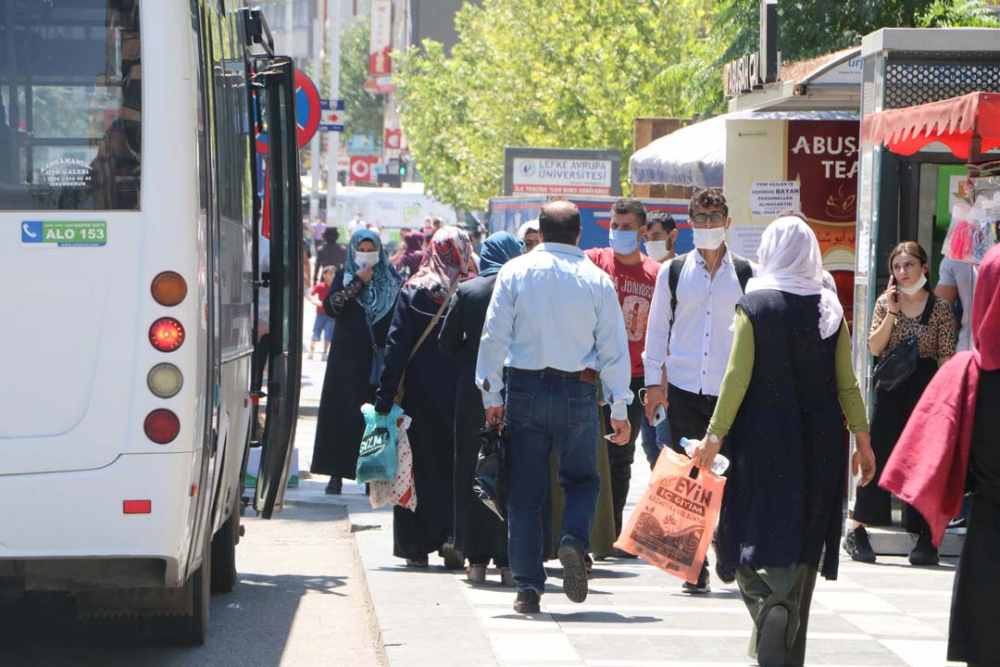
(634, 277)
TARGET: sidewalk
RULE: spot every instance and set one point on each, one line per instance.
(889, 614)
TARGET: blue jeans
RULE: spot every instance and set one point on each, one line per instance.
(323, 326)
(654, 439)
(543, 412)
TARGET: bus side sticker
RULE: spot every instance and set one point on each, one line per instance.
(64, 234)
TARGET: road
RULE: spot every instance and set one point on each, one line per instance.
(301, 600)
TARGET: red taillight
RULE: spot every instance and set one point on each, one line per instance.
(166, 334)
(161, 426)
(137, 506)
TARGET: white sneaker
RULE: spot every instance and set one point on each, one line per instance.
(310, 355)
(324, 357)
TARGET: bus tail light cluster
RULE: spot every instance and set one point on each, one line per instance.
(164, 380)
(161, 426)
(166, 334)
(168, 288)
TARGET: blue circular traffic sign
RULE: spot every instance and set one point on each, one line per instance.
(307, 111)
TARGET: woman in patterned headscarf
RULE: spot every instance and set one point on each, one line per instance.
(428, 397)
(361, 300)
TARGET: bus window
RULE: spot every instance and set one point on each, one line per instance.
(70, 105)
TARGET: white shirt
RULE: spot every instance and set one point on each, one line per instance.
(553, 308)
(702, 339)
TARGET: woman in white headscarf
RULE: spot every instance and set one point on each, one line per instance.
(788, 383)
(528, 235)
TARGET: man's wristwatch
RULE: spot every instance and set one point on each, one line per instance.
(713, 439)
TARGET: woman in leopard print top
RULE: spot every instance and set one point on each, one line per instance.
(907, 308)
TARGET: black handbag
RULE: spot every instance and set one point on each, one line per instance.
(378, 358)
(896, 367)
(489, 483)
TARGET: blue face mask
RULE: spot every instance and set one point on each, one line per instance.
(623, 242)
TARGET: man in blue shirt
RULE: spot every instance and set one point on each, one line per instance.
(555, 322)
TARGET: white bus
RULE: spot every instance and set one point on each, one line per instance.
(129, 287)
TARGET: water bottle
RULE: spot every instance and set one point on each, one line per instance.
(719, 465)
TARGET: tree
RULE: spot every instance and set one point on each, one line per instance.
(572, 74)
(364, 111)
(810, 28)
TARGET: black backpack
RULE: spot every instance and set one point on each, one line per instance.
(744, 272)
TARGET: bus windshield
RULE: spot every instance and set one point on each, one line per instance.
(70, 104)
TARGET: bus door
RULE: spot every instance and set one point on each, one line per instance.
(276, 105)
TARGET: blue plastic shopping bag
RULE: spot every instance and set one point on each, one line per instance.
(377, 453)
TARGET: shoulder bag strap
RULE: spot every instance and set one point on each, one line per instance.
(673, 278)
(925, 317)
(398, 400)
(744, 272)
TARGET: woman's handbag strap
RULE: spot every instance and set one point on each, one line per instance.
(398, 400)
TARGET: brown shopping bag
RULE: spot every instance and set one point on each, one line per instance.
(672, 525)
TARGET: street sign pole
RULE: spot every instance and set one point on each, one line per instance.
(333, 138)
(315, 147)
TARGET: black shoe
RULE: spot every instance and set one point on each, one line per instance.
(703, 586)
(771, 646)
(726, 575)
(618, 553)
(335, 486)
(574, 571)
(453, 558)
(588, 563)
(858, 546)
(528, 602)
(924, 552)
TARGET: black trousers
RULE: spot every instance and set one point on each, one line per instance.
(620, 457)
(890, 412)
(689, 414)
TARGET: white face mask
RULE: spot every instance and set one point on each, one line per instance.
(709, 239)
(657, 250)
(366, 259)
(916, 287)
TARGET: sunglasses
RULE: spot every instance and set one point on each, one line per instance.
(714, 216)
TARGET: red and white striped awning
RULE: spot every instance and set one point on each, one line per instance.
(968, 125)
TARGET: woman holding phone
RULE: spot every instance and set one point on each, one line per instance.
(907, 308)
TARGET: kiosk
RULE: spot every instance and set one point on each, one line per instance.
(922, 100)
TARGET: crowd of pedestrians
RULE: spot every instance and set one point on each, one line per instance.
(578, 355)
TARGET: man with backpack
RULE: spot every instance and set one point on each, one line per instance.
(688, 338)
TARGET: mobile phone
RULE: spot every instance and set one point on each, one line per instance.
(892, 282)
(659, 414)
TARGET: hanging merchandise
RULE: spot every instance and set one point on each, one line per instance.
(974, 227)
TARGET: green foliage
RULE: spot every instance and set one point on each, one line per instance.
(575, 74)
(572, 74)
(958, 13)
(810, 28)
